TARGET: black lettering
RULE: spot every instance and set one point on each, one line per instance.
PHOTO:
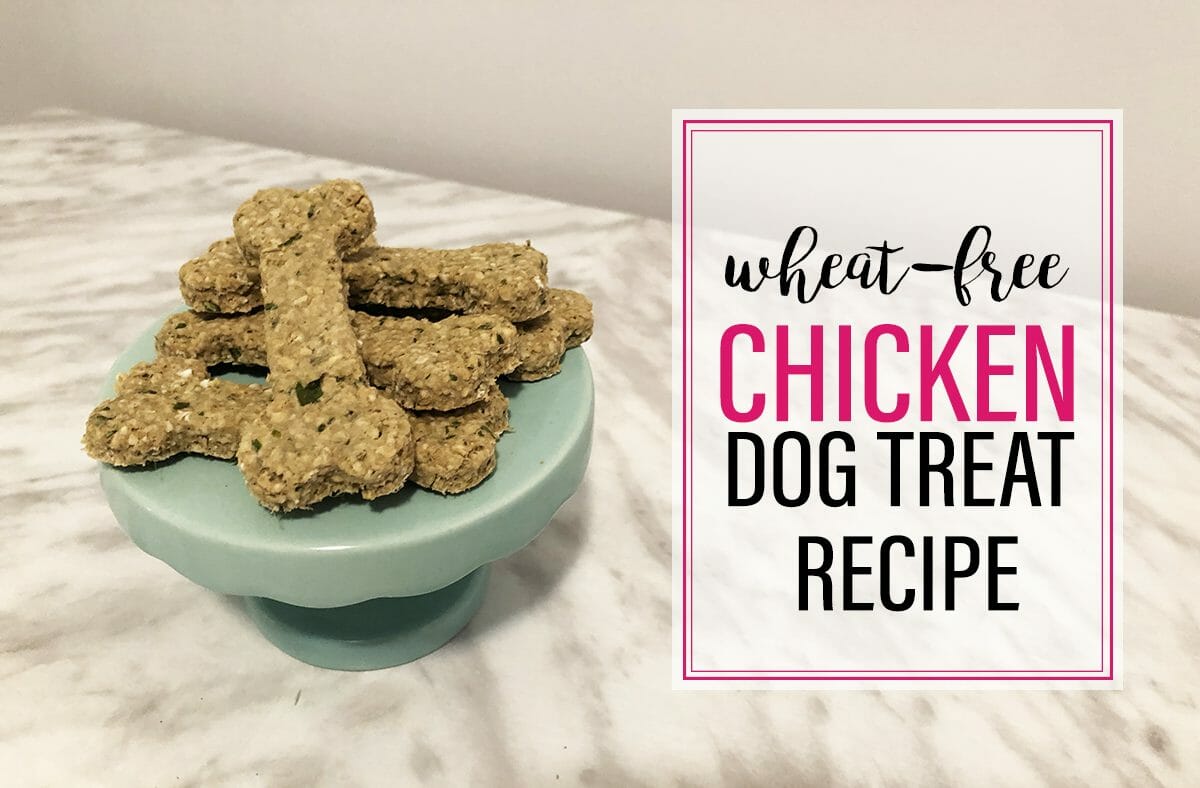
(805, 460)
(894, 439)
(970, 465)
(821, 572)
(849, 570)
(995, 570)
(885, 573)
(845, 471)
(1055, 439)
(1020, 448)
(953, 574)
(928, 467)
(756, 493)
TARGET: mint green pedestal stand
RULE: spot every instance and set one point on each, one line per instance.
(357, 585)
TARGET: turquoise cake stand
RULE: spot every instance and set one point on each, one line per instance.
(357, 585)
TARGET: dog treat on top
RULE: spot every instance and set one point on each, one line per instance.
(456, 450)
(299, 239)
(170, 406)
(222, 281)
(508, 280)
(324, 431)
(542, 342)
(423, 365)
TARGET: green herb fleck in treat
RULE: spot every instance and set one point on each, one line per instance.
(268, 307)
(291, 240)
(180, 405)
(453, 376)
(180, 325)
(235, 353)
(500, 338)
(256, 444)
(209, 306)
(311, 210)
(308, 393)
(276, 434)
(485, 326)
(321, 427)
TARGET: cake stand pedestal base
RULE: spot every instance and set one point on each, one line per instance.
(378, 633)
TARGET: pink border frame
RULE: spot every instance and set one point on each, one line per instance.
(1108, 529)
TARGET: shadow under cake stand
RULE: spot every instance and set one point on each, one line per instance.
(352, 584)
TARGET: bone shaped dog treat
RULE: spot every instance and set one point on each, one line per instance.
(500, 279)
(324, 431)
(456, 450)
(215, 339)
(508, 280)
(170, 406)
(437, 366)
(423, 365)
(540, 344)
(221, 280)
(542, 341)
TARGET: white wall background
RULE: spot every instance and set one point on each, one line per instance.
(572, 100)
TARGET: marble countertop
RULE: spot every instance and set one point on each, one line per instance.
(116, 670)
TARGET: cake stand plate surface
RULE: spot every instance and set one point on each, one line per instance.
(353, 584)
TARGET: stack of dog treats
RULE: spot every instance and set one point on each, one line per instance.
(382, 362)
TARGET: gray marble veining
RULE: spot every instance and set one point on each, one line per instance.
(116, 670)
